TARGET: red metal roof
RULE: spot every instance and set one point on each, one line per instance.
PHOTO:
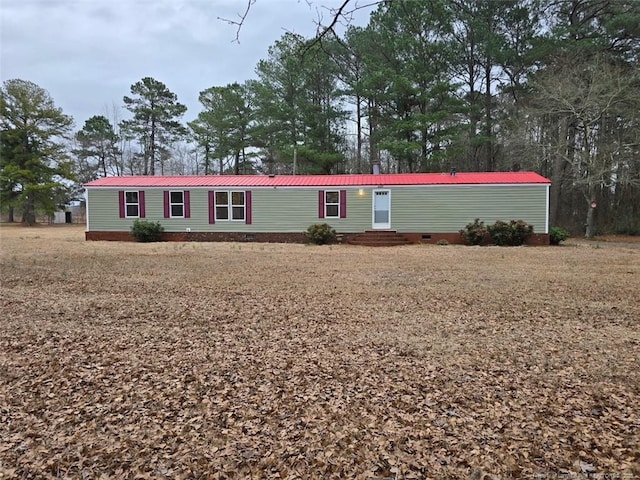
(386, 180)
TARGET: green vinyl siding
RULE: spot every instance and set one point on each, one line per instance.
(273, 210)
(426, 209)
(103, 211)
(441, 209)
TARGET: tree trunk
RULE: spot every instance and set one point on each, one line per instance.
(118, 161)
(488, 126)
(29, 216)
(373, 143)
(555, 190)
(10, 216)
(359, 134)
(145, 157)
(152, 166)
(566, 142)
(102, 162)
(590, 230)
(206, 159)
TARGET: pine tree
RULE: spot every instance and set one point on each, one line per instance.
(155, 124)
(33, 161)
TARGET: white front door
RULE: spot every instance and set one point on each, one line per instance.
(381, 209)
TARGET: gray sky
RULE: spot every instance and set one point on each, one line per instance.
(88, 53)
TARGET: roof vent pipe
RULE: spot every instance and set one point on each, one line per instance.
(453, 172)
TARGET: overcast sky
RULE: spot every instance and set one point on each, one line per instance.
(88, 53)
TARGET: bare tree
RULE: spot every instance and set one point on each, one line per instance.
(593, 107)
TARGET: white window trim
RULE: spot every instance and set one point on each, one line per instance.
(244, 206)
(171, 204)
(217, 205)
(230, 206)
(326, 215)
(126, 204)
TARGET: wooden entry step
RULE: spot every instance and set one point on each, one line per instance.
(379, 238)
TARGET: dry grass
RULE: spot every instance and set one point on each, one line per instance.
(220, 360)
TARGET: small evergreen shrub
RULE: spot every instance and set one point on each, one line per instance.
(321, 233)
(474, 233)
(521, 231)
(557, 235)
(500, 233)
(511, 234)
(147, 231)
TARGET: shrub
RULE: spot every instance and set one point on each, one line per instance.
(474, 233)
(146, 231)
(511, 234)
(521, 232)
(321, 233)
(557, 235)
(500, 233)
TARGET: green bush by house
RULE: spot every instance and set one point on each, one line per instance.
(557, 235)
(511, 234)
(321, 233)
(474, 233)
(146, 231)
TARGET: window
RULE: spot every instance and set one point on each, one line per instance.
(222, 205)
(332, 204)
(237, 205)
(132, 204)
(176, 204)
(230, 205)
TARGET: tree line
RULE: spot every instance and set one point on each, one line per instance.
(551, 86)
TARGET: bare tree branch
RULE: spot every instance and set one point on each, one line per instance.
(241, 18)
(341, 13)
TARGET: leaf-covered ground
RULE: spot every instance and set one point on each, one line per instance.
(221, 360)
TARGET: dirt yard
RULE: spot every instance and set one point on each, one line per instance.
(221, 360)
